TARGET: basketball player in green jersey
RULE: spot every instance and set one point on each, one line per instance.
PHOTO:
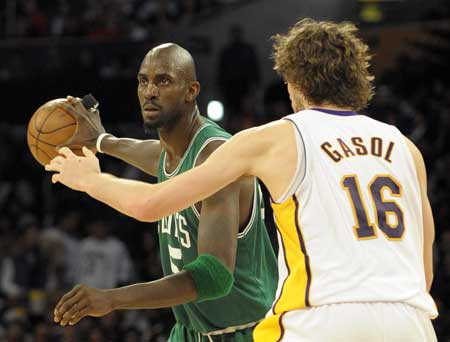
(224, 231)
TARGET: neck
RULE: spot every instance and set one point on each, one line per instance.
(176, 139)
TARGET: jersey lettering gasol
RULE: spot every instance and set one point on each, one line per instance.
(356, 146)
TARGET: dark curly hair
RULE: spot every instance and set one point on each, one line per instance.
(327, 62)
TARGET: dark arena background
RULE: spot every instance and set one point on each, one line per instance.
(54, 48)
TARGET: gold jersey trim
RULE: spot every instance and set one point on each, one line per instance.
(294, 293)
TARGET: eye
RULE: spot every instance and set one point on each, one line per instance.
(143, 81)
(164, 81)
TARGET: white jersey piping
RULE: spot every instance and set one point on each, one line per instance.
(174, 172)
(296, 179)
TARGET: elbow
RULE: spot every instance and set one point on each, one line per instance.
(144, 211)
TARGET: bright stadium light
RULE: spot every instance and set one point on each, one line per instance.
(215, 110)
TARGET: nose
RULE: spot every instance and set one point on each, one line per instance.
(151, 91)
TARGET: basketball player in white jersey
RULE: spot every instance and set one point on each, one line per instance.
(349, 195)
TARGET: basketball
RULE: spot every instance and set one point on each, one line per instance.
(50, 126)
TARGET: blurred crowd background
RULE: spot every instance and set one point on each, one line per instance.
(52, 238)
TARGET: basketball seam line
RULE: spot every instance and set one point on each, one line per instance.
(57, 129)
(39, 131)
(41, 150)
(44, 142)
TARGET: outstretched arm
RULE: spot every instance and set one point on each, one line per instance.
(150, 202)
(253, 152)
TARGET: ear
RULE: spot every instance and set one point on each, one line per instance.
(192, 91)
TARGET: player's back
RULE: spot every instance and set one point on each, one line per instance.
(350, 226)
(359, 214)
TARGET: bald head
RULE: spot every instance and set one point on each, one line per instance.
(175, 57)
(167, 86)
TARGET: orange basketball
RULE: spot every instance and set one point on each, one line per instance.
(49, 127)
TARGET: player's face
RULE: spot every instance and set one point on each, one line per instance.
(161, 92)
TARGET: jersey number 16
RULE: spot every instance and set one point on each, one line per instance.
(384, 209)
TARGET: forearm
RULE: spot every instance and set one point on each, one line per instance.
(143, 201)
(169, 291)
(124, 195)
(151, 202)
(142, 154)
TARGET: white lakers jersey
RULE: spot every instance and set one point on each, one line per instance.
(350, 226)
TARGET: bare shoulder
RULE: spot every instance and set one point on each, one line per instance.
(252, 138)
(273, 127)
(254, 151)
(270, 135)
(252, 141)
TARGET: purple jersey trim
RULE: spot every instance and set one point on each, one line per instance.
(335, 111)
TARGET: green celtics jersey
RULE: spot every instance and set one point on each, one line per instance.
(255, 274)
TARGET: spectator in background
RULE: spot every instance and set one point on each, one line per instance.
(238, 74)
(69, 227)
(15, 332)
(66, 234)
(23, 269)
(104, 260)
(62, 246)
(32, 21)
(22, 283)
(41, 332)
